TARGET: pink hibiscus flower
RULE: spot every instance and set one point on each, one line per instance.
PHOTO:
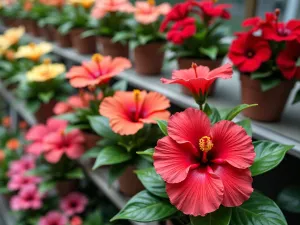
(54, 218)
(58, 143)
(102, 7)
(74, 203)
(19, 167)
(19, 181)
(204, 165)
(37, 134)
(28, 198)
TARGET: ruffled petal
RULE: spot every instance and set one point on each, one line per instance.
(199, 194)
(53, 156)
(56, 124)
(36, 148)
(75, 151)
(237, 184)
(154, 102)
(232, 144)
(161, 115)
(173, 161)
(224, 72)
(36, 133)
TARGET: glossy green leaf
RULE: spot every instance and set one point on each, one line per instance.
(214, 116)
(100, 125)
(211, 52)
(258, 210)
(152, 182)
(111, 155)
(66, 27)
(246, 124)
(255, 76)
(163, 125)
(268, 84)
(289, 199)
(220, 217)
(297, 97)
(92, 153)
(46, 96)
(268, 156)
(145, 207)
(46, 186)
(115, 171)
(75, 174)
(147, 154)
(237, 110)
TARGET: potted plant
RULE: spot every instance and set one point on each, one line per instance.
(194, 33)
(267, 62)
(9, 12)
(203, 168)
(145, 37)
(112, 18)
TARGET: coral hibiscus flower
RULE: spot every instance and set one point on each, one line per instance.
(74, 203)
(204, 166)
(33, 51)
(182, 30)
(248, 52)
(57, 144)
(98, 71)
(54, 217)
(148, 12)
(129, 111)
(198, 79)
(287, 60)
(102, 7)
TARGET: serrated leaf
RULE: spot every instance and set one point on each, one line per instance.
(220, 217)
(237, 110)
(147, 154)
(152, 182)
(111, 155)
(259, 209)
(268, 156)
(145, 207)
(246, 124)
(163, 126)
(211, 52)
(289, 199)
(100, 125)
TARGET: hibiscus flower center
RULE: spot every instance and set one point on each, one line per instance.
(284, 32)
(73, 204)
(29, 198)
(194, 66)
(136, 112)
(205, 145)
(250, 53)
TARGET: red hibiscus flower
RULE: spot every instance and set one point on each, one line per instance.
(248, 52)
(179, 12)
(204, 166)
(287, 60)
(198, 79)
(129, 111)
(181, 30)
(210, 10)
(256, 23)
(282, 31)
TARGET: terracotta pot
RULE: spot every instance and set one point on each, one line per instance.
(45, 111)
(270, 103)
(63, 40)
(90, 142)
(65, 187)
(83, 45)
(186, 63)
(107, 47)
(149, 58)
(47, 32)
(26, 24)
(129, 183)
(33, 28)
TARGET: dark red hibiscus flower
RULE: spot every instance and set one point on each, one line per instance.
(182, 30)
(179, 12)
(256, 23)
(287, 60)
(282, 31)
(211, 10)
(248, 52)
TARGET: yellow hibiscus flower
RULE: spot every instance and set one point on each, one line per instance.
(13, 35)
(4, 44)
(33, 51)
(45, 71)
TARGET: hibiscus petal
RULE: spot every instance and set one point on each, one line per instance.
(162, 115)
(232, 144)
(189, 126)
(56, 124)
(237, 184)
(36, 133)
(200, 193)
(161, 103)
(35, 148)
(75, 151)
(53, 156)
(173, 161)
(224, 72)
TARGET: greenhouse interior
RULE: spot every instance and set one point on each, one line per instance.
(181, 112)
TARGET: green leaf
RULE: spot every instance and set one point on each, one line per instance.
(46, 96)
(111, 155)
(75, 174)
(152, 182)
(246, 124)
(115, 171)
(88, 33)
(94, 218)
(297, 97)
(220, 217)
(214, 116)
(46, 186)
(70, 117)
(259, 209)
(163, 125)
(92, 153)
(100, 125)
(268, 84)
(268, 156)
(120, 85)
(66, 27)
(124, 36)
(257, 75)
(147, 154)
(145, 207)
(236, 110)
(4, 190)
(144, 39)
(211, 52)
(289, 199)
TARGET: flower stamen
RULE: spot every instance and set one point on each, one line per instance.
(137, 98)
(97, 58)
(205, 144)
(151, 2)
(194, 66)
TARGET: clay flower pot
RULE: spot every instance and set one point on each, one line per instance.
(270, 103)
(26, 24)
(149, 58)
(62, 40)
(129, 183)
(65, 187)
(33, 28)
(83, 45)
(45, 111)
(107, 47)
(90, 142)
(186, 63)
(47, 32)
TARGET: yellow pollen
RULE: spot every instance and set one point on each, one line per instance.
(32, 45)
(136, 94)
(205, 144)
(47, 61)
(97, 58)
(152, 2)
